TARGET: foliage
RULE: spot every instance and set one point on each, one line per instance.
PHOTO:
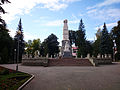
(44, 48)
(6, 45)
(105, 42)
(50, 46)
(81, 40)
(32, 46)
(96, 47)
(115, 32)
(36, 45)
(6, 42)
(12, 80)
(4, 72)
(89, 48)
(28, 47)
(78, 38)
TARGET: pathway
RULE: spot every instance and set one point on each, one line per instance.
(104, 77)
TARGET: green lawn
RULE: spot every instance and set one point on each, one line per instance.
(11, 80)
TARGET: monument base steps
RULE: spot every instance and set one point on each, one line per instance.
(69, 62)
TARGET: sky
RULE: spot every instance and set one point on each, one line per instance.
(40, 18)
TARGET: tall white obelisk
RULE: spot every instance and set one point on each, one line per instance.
(66, 48)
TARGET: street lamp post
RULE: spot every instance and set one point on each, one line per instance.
(114, 50)
(14, 55)
(19, 32)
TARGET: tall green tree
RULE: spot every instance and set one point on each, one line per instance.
(105, 42)
(6, 46)
(6, 42)
(50, 46)
(81, 39)
(19, 38)
(116, 36)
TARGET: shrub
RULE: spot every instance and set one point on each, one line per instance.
(4, 72)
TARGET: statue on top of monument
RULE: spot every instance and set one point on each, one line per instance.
(65, 21)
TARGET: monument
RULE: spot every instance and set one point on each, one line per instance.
(66, 47)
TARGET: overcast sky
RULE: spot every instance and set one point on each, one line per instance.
(40, 18)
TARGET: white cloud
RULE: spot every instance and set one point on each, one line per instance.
(54, 23)
(74, 17)
(21, 7)
(105, 14)
(71, 0)
(57, 6)
(60, 22)
(12, 32)
(101, 12)
(105, 3)
(29, 36)
(74, 21)
(109, 25)
(92, 11)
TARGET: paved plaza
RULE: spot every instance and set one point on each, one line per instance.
(104, 77)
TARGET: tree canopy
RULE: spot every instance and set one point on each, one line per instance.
(19, 38)
(115, 32)
(6, 42)
(105, 42)
(50, 46)
(32, 46)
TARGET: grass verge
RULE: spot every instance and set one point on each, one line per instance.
(11, 79)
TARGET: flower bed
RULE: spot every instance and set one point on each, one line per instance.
(11, 79)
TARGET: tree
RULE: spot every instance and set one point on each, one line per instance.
(72, 36)
(44, 48)
(35, 45)
(96, 44)
(6, 42)
(2, 22)
(89, 48)
(32, 46)
(96, 47)
(105, 42)
(50, 46)
(53, 45)
(115, 32)
(81, 40)
(19, 38)
(28, 46)
(6, 46)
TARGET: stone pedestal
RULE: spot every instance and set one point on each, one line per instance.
(66, 49)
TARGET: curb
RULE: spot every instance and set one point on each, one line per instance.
(20, 88)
